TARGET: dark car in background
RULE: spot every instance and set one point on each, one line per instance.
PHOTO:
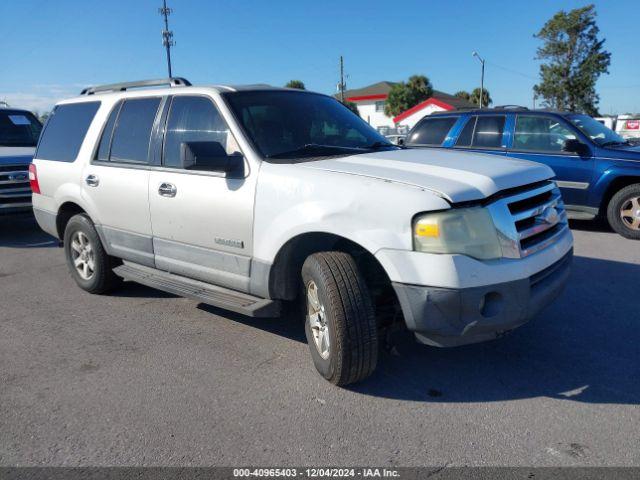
(19, 132)
(597, 171)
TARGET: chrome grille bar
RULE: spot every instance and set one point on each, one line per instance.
(14, 192)
(532, 212)
(529, 221)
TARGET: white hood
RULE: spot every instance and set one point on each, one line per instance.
(457, 176)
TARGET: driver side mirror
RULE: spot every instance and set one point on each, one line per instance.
(210, 157)
(573, 145)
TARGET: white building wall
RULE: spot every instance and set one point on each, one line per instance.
(414, 118)
(367, 111)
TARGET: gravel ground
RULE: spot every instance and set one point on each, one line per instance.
(145, 378)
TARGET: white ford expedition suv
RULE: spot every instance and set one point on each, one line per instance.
(248, 197)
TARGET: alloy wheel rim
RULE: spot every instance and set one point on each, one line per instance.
(630, 213)
(318, 321)
(82, 255)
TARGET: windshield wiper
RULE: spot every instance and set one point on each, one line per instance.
(314, 147)
(379, 145)
(614, 142)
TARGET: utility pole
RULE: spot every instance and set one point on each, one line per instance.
(475, 54)
(167, 35)
(341, 79)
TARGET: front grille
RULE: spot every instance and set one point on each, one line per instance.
(529, 221)
(14, 185)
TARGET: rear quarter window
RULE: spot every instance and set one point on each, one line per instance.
(132, 134)
(432, 131)
(65, 131)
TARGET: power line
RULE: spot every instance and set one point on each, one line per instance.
(510, 70)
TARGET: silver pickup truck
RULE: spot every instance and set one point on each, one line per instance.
(19, 132)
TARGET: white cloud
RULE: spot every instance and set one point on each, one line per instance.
(40, 98)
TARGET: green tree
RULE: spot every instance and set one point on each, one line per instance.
(573, 59)
(475, 97)
(403, 96)
(299, 84)
(463, 94)
(351, 106)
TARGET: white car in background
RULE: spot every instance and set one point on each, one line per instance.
(628, 126)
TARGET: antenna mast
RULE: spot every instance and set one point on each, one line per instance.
(167, 35)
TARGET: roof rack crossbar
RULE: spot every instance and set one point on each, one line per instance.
(510, 106)
(121, 87)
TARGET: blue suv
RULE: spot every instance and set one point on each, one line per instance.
(596, 169)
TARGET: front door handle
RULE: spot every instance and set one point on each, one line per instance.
(92, 180)
(167, 190)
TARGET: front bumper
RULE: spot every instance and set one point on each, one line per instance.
(447, 317)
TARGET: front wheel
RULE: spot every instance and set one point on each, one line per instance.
(623, 212)
(340, 323)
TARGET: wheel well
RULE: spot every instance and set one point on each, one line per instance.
(285, 274)
(615, 186)
(65, 212)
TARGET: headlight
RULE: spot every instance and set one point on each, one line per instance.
(467, 231)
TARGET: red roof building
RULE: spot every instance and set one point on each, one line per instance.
(371, 101)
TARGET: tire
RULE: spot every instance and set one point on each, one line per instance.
(623, 212)
(347, 318)
(98, 276)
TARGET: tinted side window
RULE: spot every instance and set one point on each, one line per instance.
(18, 129)
(105, 141)
(488, 132)
(65, 131)
(540, 133)
(195, 119)
(482, 131)
(131, 137)
(464, 139)
(432, 131)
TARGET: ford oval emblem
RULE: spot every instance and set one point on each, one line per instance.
(18, 177)
(549, 215)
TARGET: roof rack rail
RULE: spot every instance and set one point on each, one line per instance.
(121, 87)
(511, 107)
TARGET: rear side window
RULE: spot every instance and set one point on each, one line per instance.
(65, 131)
(107, 133)
(482, 132)
(130, 142)
(464, 139)
(432, 131)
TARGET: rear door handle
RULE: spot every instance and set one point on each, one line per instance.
(92, 180)
(167, 190)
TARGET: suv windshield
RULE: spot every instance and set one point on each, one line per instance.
(18, 129)
(596, 131)
(285, 124)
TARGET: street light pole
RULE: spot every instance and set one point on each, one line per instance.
(475, 54)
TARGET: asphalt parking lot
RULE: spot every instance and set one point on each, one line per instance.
(145, 378)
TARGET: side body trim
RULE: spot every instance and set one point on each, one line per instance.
(212, 266)
(576, 185)
(127, 245)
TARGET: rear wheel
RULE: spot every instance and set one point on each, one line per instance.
(623, 212)
(89, 264)
(340, 322)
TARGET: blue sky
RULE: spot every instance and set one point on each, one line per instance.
(52, 49)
